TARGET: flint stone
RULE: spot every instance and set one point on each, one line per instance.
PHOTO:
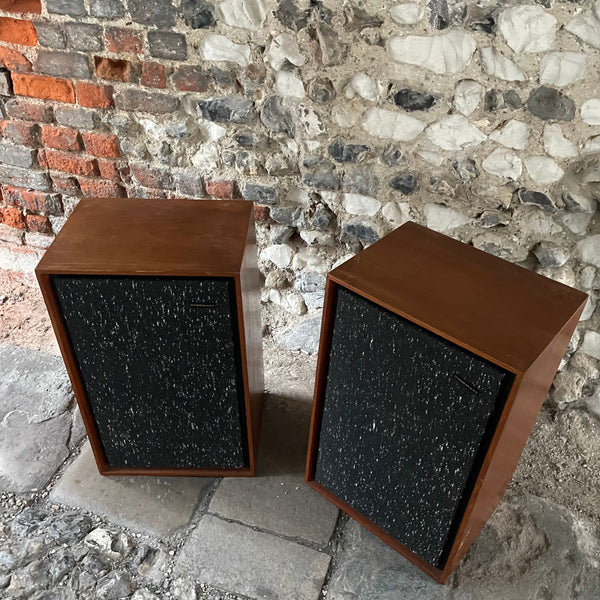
(276, 118)
(548, 103)
(233, 109)
(332, 51)
(411, 100)
(342, 152)
(321, 91)
(535, 198)
(405, 183)
(198, 14)
(392, 156)
(292, 216)
(261, 194)
(361, 230)
(361, 180)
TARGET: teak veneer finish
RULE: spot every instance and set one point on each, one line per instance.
(506, 314)
(175, 238)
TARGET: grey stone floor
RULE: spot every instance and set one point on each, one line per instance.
(68, 533)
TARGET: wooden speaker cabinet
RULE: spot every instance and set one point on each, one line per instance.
(156, 308)
(434, 361)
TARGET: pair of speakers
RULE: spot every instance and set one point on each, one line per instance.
(434, 361)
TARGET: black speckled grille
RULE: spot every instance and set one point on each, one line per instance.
(407, 418)
(160, 362)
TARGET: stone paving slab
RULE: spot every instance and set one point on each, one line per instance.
(35, 420)
(278, 499)
(155, 505)
(240, 560)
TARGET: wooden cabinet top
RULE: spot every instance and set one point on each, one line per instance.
(499, 310)
(128, 236)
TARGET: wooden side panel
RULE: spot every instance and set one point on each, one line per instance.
(251, 342)
(528, 394)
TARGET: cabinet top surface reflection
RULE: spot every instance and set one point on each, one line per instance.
(129, 236)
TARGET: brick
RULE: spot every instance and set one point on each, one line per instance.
(120, 40)
(32, 200)
(21, 6)
(37, 180)
(78, 118)
(104, 145)
(61, 138)
(17, 31)
(45, 88)
(13, 60)
(38, 223)
(221, 189)
(70, 163)
(112, 68)
(107, 9)
(84, 36)
(20, 132)
(110, 169)
(153, 75)
(94, 95)
(159, 13)
(73, 8)
(100, 188)
(63, 64)
(17, 156)
(190, 78)
(261, 213)
(65, 184)
(150, 102)
(12, 217)
(152, 177)
(167, 44)
(51, 35)
(188, 184)
(29, 110)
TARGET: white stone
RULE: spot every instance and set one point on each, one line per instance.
(592, 145)
(297, 196)
(503, 163)
(446, 53)
(279, 254)
(589, 308)
(589, 250)
(396, 213)
(219, 48)
(513, 135)
(406, 14)
(153, 130)
(454, 132)
(206, 157)
(591, 344)
(357, 204)
(317, 238)
(284, 48)
(543, 170)
(499, 66)
(442, 218)
(344, 116)
(249, 14)
(362, 85)
(586, 26)
(577, 222)
(212, 130)
(527, 28)
(590, 111)
(562, 68)
(556, 144)
(291, 302)
(287, 84)
(309, 259)
(397, 126)
(467, 96)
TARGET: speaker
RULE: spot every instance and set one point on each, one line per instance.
(434, 361)
(156, 308)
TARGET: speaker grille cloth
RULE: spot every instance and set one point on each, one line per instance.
(407, 418)
(160, 362)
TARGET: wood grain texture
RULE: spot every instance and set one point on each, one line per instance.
(512, 317)
(181, 238)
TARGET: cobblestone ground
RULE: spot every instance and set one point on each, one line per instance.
(68, 533)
